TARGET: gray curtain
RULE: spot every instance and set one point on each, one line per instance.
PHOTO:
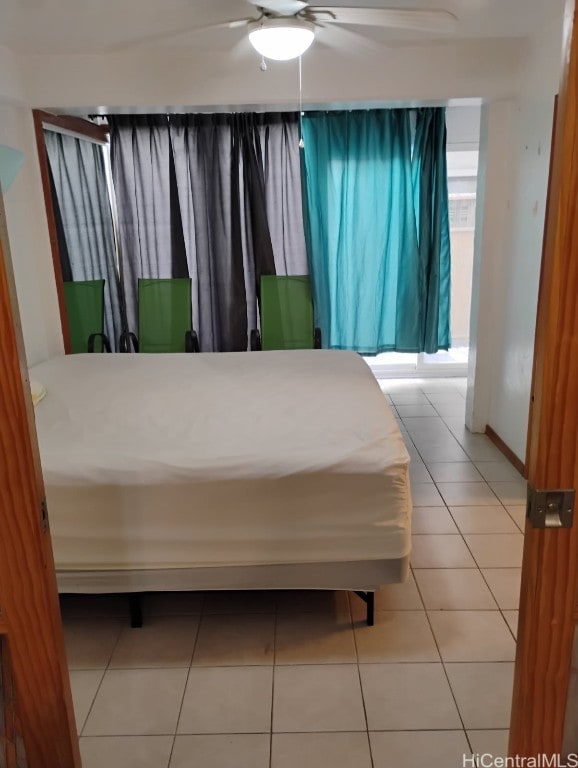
(218, 228)
(239, 186)
(141, 169)
(279, 133)
(201, 195)
(84, 220)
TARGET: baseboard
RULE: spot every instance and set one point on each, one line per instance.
(506, 450)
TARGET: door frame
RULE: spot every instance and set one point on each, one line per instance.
(30, 622)
(548, 599)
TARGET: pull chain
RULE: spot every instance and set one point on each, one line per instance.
(301, 142)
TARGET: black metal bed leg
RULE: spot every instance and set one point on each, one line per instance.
(135, 608)
(369, 599)
(370, 608)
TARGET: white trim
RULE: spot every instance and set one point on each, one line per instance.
(441, 371)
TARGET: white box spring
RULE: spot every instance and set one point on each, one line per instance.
(230, 459)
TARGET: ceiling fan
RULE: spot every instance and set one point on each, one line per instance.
(284, 29)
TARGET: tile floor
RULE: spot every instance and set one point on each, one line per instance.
(287, 680)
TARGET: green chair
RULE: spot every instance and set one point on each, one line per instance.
(164, 318)
(286, 310)
(84, 301)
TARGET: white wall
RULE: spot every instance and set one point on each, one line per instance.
(29, 241)
(489, 289)
(513, 258)
(159, 77)
(27, 226)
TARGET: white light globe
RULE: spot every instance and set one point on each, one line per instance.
(281, 39)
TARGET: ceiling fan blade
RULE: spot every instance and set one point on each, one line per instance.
(348, 42)
(172, 33)
(281, 7)
(419, 20)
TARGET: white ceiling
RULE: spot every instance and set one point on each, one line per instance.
(99, 26)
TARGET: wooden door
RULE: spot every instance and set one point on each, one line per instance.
(548, 602)
(37, 727)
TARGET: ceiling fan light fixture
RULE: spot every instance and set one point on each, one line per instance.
(281, 39)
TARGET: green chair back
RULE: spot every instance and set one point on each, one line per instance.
(164, 314)
(84, 301)
(286, 312)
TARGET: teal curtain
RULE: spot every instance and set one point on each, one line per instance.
(377, 285)
(430, 182)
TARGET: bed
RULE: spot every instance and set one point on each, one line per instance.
(272, 470)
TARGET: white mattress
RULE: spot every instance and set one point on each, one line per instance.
(229, 459)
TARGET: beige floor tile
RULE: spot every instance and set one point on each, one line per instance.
(317, 698)
(125, 751)
(227, 700)
(512, 619)
(90, 642)
(467, 494)
(436, 749)
(224, 751)
(426, 495)
(442, 451)
(444, 397)
(409, 398)
(454, 472)
(415, 409)
(428, 434)
(137, 702)
(456, 410)
(173, 603)
(458, 429)
(498, 471)
(408, 697)
(505, 586)
(483, 693)
(318, 601)
(432, 520)
(445, 386)
(392, 597)
(240, 601)
(418, 472)
(496, 550)
(317, 750)
(397, 636)
(518, 514)
(163, 641)
(312, 639)
(510, 493)
(424, 427)
(461, 385)
(483, 520)
(235, 640)
(445, 450)
(472, 636)
(489, 742)
(479, 448)
(84, 684)
(454, 589)
(445, 551)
